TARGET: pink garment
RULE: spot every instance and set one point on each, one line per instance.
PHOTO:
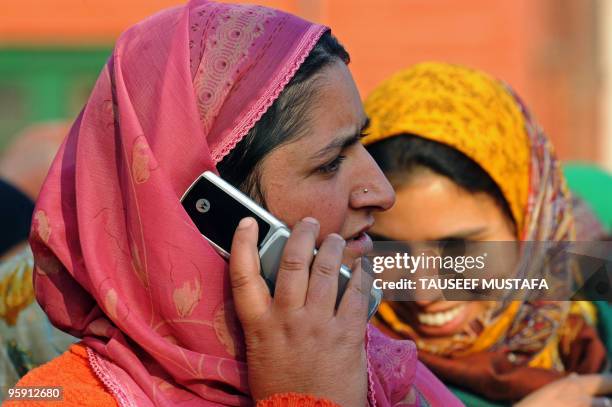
(119, 263)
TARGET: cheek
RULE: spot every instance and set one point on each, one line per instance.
(331, 215)
(477, 310)
(326, 204)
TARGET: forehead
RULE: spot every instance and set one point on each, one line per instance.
(335, 109)
(430, 206)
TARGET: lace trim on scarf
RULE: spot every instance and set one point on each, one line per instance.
(298, 57)
(97, 364)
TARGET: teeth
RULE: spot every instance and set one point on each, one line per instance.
(440, 318)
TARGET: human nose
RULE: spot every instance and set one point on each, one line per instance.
(373, 189)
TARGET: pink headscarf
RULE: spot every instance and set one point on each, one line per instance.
(119, 262)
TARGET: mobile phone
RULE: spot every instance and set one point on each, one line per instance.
(216, 208)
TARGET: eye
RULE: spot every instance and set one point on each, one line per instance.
(453, 246)
(363, 134)
(333, 166)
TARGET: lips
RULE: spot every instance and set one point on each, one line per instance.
(360, 245)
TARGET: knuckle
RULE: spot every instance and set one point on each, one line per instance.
(292, 263)
(316, 331)
(239, 281)
(326, 269)
(361, 290)
(349, 334)
(292, 330)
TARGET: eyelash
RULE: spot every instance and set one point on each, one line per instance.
(332, 166)
(363, 134)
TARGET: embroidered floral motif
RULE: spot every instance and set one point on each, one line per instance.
(187, 297)
(110, 303)
(140, 161)
(227, 329)
(42, 225)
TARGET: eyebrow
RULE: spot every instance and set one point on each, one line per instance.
(341, 143)
(463, 234)
(460, 235)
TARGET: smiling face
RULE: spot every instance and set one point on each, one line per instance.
(325, 173)
(431, 207)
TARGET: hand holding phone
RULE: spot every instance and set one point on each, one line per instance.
(297, 341)
(216, 208)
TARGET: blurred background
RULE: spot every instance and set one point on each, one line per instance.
(555, 53)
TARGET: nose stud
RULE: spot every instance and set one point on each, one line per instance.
(365, 190)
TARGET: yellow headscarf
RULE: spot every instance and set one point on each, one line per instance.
(465, 109)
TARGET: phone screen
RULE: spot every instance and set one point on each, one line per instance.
(217, 214)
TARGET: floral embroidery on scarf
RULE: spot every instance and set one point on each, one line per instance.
(228, 330)
(42, 225)
(137, 265)
(187, 297)
(110, 303)
(140, 161)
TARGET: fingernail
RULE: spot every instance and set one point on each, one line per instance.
(337, 237)
(311, 220)
(246, 223)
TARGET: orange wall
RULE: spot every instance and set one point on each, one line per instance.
(381, 38)
(72, 21)
(543, 48)
(487, 34)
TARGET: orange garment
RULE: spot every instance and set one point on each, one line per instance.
(71, 370)
(82, 387)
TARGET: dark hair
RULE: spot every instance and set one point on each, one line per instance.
(401, 156)
(286, 120)
(15, 216)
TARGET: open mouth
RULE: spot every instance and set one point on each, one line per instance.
(440, 318)
(358, 236)
(361, 244)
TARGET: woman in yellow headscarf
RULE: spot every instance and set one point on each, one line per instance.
(468, 163)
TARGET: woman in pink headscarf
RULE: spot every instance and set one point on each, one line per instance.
(265, 99)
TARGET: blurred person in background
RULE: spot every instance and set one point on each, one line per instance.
(15, 215)
(469, 163)
(27, 338)
(25, 162)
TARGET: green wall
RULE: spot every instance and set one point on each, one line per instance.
(45, 84)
